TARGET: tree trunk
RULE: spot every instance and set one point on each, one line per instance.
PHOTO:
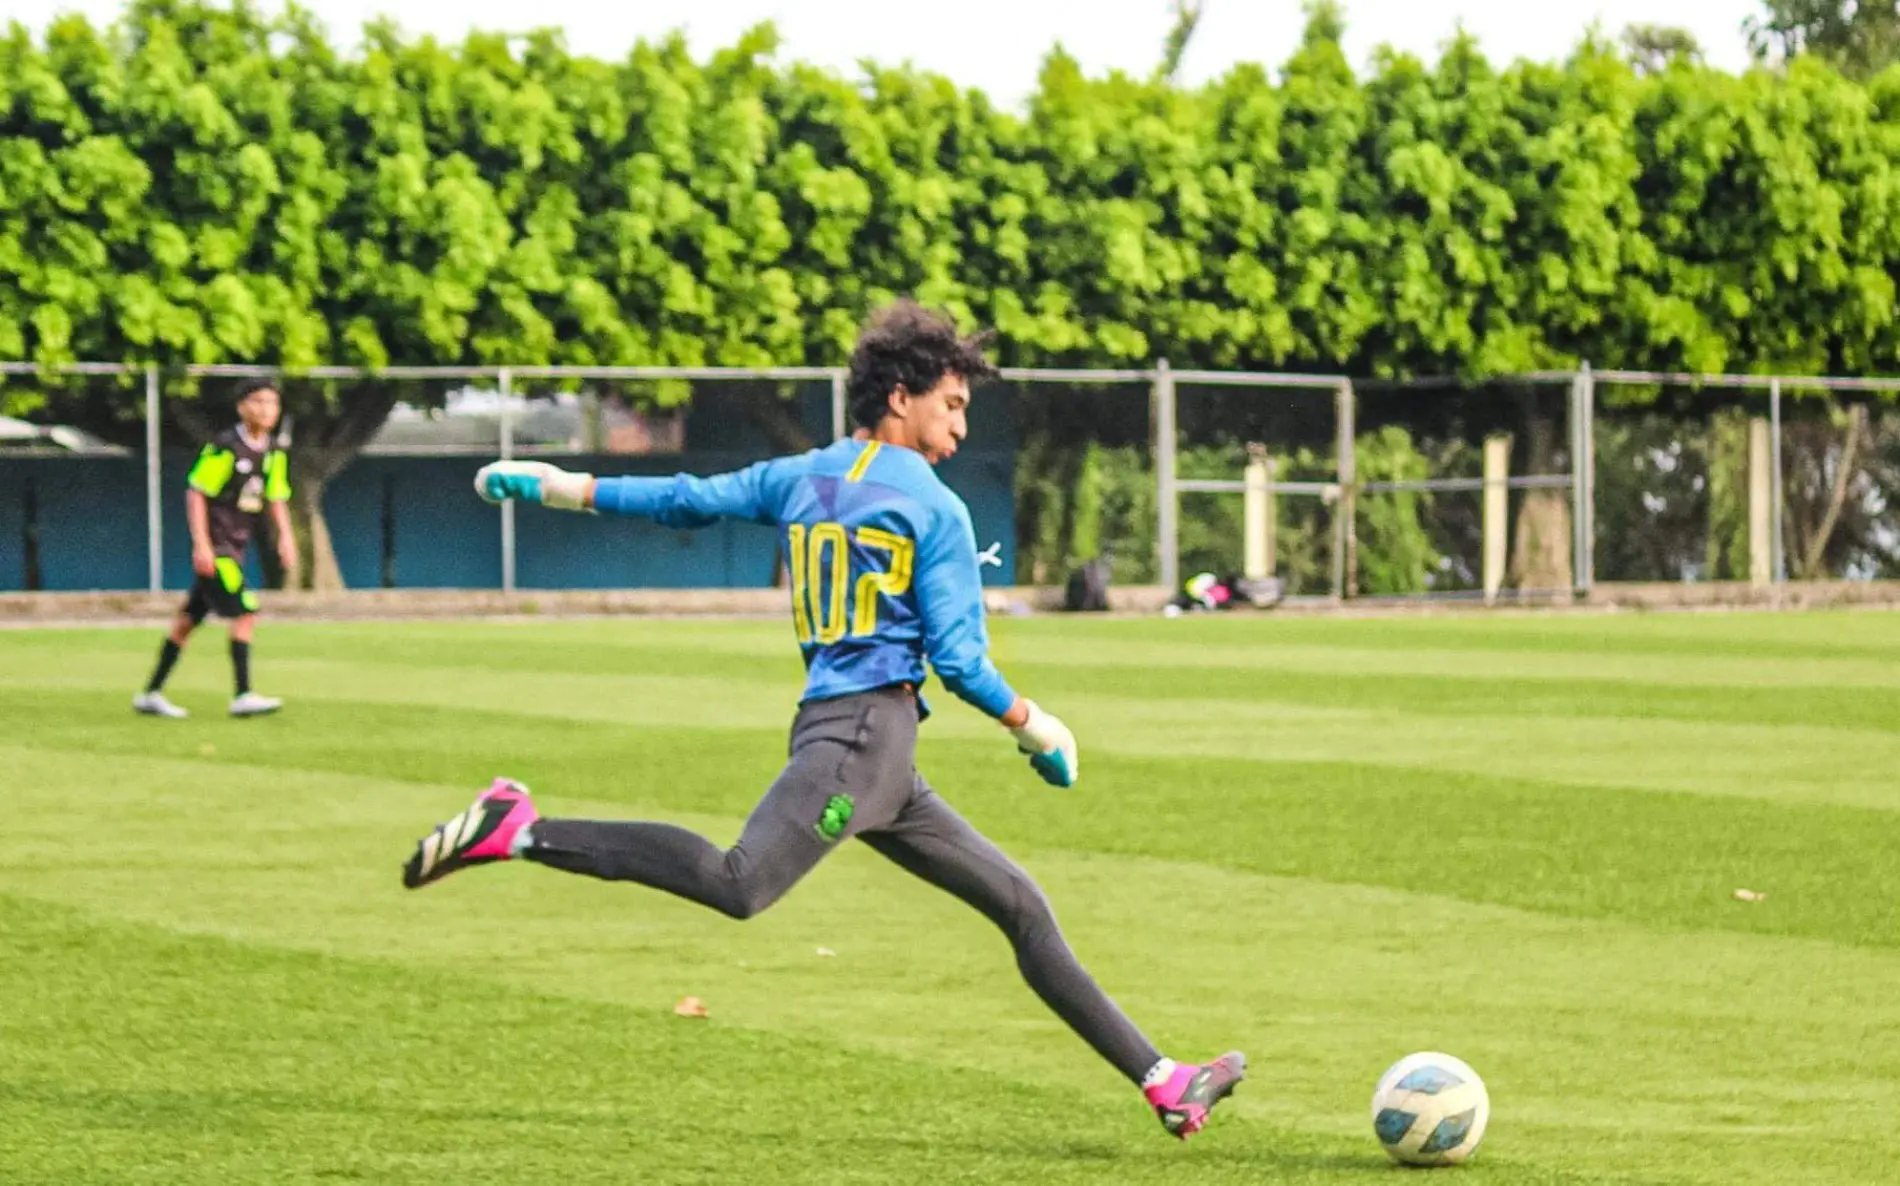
(773, 416)
(324, 442)
(1540, 548)
(320, 571)
(1814, 561)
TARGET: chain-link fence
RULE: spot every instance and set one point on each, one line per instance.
(1077, 451)
(1726, 478)
(382, 471)
(1468, 490)
(1262, 464)
(1672, 481)
(74, 503)
(1529, 485)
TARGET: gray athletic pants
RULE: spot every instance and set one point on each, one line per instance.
(852, 772)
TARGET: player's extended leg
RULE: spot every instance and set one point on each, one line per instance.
(931, 840)
(781, 842)
(848, 769)
(239, 604)
(244, 701)
(152, 701)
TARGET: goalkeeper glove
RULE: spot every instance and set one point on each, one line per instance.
(535, 481)
(1050, 746)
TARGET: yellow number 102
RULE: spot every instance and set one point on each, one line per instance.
(820, 559)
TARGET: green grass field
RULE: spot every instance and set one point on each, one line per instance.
(1516, 839)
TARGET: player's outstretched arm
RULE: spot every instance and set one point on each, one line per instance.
(678, 501)
(950, 595)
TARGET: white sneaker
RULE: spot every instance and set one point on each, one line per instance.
(154, 704)
(251, 704)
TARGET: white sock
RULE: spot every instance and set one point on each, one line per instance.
(522, 840)
(1158, 1074)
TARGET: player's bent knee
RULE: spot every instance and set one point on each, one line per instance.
(1029, 915)
(749, 899)
(741, 909)
(741, 894)
(740, 906)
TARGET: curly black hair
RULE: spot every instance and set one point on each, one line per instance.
(905, 344)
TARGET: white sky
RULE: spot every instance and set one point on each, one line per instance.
(998, 45)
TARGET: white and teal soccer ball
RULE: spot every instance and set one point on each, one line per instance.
(1430, 1109)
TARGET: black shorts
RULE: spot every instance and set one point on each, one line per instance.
(223, 594)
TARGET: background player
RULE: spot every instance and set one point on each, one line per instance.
(884, 575)
(236, 477)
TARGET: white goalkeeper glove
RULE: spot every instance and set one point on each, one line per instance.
(1051, 747)
(535, 481)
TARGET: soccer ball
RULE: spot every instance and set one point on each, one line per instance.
(1430, 1109)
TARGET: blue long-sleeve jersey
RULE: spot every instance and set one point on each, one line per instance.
(882, 555)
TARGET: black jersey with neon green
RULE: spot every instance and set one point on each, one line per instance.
(237, 479)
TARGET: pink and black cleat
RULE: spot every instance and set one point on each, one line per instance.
(1184, 1101)
(485, 832)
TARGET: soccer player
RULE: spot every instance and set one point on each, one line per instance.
(236, 477)
(884, 576)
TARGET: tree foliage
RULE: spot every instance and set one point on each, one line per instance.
(200, 183)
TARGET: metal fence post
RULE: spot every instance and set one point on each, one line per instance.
(505, 388)
(1573, 422)
(1578, 525)
(1778, 557)
(1167, 497)
(154, 508)
(838, 404)
(1586, 465)
(1346, 550)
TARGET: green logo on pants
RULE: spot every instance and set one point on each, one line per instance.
(837, 814)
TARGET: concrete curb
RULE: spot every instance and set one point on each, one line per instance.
(26, 609)
(358, 604)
